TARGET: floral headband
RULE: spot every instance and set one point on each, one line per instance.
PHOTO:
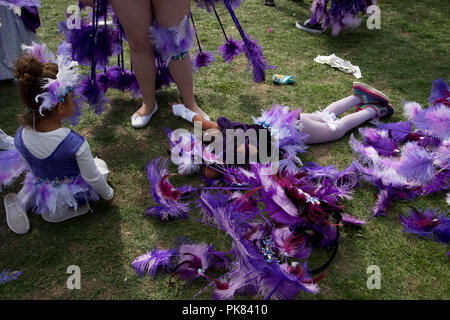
(66, 79)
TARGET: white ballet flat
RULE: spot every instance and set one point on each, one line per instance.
(141, 121)
(16, 217)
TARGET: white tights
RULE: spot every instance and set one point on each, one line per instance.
(319, 131)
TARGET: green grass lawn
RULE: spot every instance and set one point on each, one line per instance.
(402, 59)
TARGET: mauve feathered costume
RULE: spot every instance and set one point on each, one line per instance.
(96, 42)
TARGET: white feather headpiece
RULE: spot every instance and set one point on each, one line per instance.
(55, 89)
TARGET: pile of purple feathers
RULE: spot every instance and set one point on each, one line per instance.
(411, 158)
(275, 221)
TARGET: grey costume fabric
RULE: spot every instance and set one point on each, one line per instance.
(13, 33)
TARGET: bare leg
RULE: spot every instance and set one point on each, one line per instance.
(170, 13)
(319, 132)
(136, 18)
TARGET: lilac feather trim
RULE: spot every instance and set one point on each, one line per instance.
(172, 41)
(151, 261)
(39, 51)
(383, 200)
(47, 196)
(416, 163)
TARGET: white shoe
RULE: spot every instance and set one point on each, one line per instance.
(141, 121)
(16, 217)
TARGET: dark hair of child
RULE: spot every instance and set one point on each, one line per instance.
(30, 74)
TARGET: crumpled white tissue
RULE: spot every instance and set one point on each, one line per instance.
(343, 65)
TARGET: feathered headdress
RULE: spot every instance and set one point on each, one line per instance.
(40, 52)
(57, 89)
(66, 79)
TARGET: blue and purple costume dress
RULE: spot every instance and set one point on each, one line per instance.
(54, 182)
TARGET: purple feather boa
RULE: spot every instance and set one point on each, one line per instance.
(260, 248)
(406, 162)
(256, 60)
(122, 80)
(82, 46)
(93, 93)
(230, 49)
(204, 59)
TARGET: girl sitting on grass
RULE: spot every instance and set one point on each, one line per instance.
(62, 174)
(318, 127)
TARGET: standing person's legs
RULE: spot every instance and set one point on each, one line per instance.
(136, 18)
(319, 132)
(170, 13)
